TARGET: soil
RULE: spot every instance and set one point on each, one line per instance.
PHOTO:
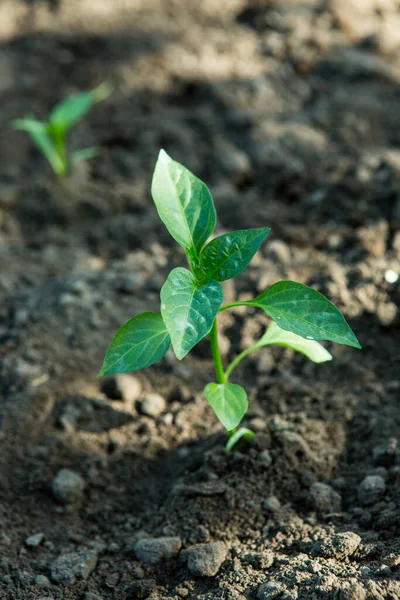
(289, 110)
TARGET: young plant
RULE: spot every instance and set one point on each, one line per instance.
(192, 298)
(51, 136)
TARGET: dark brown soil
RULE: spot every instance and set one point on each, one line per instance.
(290, 111)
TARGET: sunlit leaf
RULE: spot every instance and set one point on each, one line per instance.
(229, 402)
(188, 308)
(310, 348)
(304, 311)
(184, 204)
(228, 255)
(142, 341)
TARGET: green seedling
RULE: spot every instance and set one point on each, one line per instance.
(51, 136)
(192, 298)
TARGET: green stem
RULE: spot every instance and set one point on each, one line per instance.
(239, 358)
(232, 305)
(61, 149)
(219, 367)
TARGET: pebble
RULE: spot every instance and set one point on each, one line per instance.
(386, 313)
(354, 591)
(42, 581)
(24, 578)
(129, 386)
(275, 589)
(154, 550)
(371, 489)
(205, 560)
(323, 498)
(68, 486)
(33, 541)
(265, 458)
(68, 418)
(295, 446)
(67, 568)
(339, 545)
(200, 535)
(271, 504)
(153, 405)
(279, 251)
(122, 387)
(235, 162)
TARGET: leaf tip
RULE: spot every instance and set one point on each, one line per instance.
(163, 156)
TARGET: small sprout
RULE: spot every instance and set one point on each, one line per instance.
(51, 136)
(192, 298)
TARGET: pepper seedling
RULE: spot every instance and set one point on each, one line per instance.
(50, 136)
(192, 298)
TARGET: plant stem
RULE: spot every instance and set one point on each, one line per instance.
(219, 367)
(239, 358)
(232, 305)
(61, 149)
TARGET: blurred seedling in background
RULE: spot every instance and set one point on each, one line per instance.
(192, 298)
(51, 136)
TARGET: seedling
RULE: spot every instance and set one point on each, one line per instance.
(51, 136)
(192, 298)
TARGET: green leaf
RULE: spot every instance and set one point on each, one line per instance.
(306, 312)
(243, 432)
(229, 402)
(38, 132)
(83, 154)
(188, 308)
(69, 111)
(310, 348)
(142, 341)
(184, 204)
(228, 255)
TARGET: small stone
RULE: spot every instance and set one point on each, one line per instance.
(339, 545)
(371, 489)
(275, 589)
(348, 591)
(69, 417)
(24, 578)
(67, 487)
(33, 541)
(153, 405)
(42, 581)
(67, 568)
(200, 535)
(235, 162)
(271, 504)
(129, 386)
(91, 596)
(111, 580)
(279, 251)
(295, 446)
(265, 458)
(323, 498)
(386, 313)
(391, 276)
(373, 237)
(122, 387)
(155, 550)
(205, 560)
